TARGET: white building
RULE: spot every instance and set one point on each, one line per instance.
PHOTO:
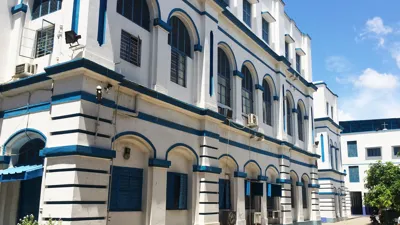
(334, 199)
(364, 142)
(170, 133)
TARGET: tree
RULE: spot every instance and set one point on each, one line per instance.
(383, 184)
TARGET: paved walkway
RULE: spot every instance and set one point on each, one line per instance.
(355, 221)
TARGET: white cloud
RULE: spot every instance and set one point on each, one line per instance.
(375, 25)
(373, 80)
(374, 95)
(337, 64)
(395, 51)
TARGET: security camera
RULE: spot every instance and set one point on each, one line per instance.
(99, 94)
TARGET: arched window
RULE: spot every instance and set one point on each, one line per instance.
(224, 79)
(289, 117)
(331, 152)
(135, 10)
(179, 40)
(304, 193)
(300, 123)
(247, 91)
(267, 103)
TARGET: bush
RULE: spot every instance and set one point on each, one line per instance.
(30, 220)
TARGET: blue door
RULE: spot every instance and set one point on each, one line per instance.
(29, 192)
(29, 197)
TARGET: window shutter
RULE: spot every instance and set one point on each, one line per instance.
(276, 190)
(247, 187)
(114, 189)
(170, 190)
(269, 190)
(183, 189)
(221, 184)
(228, 194)
(136, 187)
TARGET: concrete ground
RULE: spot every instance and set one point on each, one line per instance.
(354, 221)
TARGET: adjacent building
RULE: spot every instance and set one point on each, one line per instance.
(334, 200)
(156, 112)
(363, 143)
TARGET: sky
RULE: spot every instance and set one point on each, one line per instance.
(356, 51)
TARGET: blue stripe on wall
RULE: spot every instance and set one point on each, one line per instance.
(211, 63)
(75, 15)
(101, 31)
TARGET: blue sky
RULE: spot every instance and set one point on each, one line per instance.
(356, 51)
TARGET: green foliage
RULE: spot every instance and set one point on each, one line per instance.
(383, 184)
(30, 220)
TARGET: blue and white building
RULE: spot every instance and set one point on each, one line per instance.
(154, 112)
(364, 142)
(334, 198)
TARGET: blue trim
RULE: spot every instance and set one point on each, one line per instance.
(322, 147)
(294, 110)
(331, 121)
(184, 146)
(301, 92)
(238, 73)
(77, 186)
(74, 169)
(21, 7)
(276, 98)
(300, 184)
(75, 219)
(81, 115)
(20, 132)
(323, 127)
(198, 48)
(274, 167)
(75, 202)
(309, 179)
(331, 179)
(240, 174)
(327, 193)
(254, 68)
(314, 186)
(273, 83)
(333, 171)
(252, 161)
(306, 117)
(78, 150)
(159, 163)
(159, 22)
(259, 87)
(230, 156)
(211, 63)
(101, 29)
(207, 169)
(79, 131)
(200, 12)
(33, 108)
(134, 133)
(75, 15)
(323, 83)
(5, 159)
(231, 53)
(198, 44)
(283, 181)
(262, 178)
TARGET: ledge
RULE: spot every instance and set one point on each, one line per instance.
(238, 74)
(289, 39)
(268, 17)
(19, 8)
(262, 178)
(300, 52)
(159, 163)
(207, 169)
(259, 87)
(283, 181)
(162, 24)
(333, 171)
(5, 159)
(329, 120)
(78, 150)
(299, 184)
(314, 186)
(240, 174)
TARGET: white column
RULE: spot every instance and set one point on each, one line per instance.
(237, 99)
(158, 196)
(239, 205)
(299, 204)
(162, 60)
(294, 124)
(258, 104)
(264, 211)
(3, 197)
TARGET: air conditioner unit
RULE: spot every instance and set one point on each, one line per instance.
(275, 214)
(226, 112)
(257, 218)
(227, 218)
(252, 120)
(24, 70)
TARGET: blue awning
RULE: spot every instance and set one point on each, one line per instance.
(21, 173)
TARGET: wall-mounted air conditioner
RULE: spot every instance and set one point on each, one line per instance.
(252, 120)
(24, 70)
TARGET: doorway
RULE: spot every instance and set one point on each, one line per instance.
(253, 195)
(356, 203)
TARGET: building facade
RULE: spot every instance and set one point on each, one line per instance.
(156, 112)
(364, 142)
(333, 194)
